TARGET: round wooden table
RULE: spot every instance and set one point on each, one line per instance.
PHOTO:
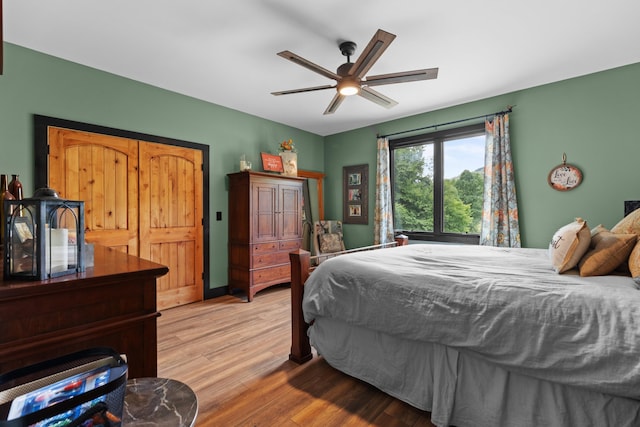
(159, 402)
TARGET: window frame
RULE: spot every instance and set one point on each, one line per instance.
(437, 138)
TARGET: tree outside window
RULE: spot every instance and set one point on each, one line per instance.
(438, 184)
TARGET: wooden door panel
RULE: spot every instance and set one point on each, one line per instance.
(102, 171)
(171, 219)
(172, 192)
(182, 268)
(291, 209)
(265, 199)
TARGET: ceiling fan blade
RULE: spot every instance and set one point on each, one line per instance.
(308, 64)
(306, 89)
(334, 104)
(405, 76)
(377, 97)
(376, 47)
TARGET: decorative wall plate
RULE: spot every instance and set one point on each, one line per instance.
(564, 177)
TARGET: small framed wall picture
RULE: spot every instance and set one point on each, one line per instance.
(272, 163)
(355, 207)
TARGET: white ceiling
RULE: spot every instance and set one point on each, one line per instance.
(224, 52)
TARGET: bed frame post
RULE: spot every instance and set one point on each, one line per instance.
(300, 347)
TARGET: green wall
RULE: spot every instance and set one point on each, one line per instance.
(593, 119)
(34, 83)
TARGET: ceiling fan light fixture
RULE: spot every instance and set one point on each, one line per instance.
(348, 87)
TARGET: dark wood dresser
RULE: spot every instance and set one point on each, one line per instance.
(265, 224)
(112, 304)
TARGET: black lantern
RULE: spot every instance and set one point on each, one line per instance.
(44, 237)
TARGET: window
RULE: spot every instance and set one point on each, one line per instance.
(437, 184)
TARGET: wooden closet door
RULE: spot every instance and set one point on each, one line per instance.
(171, 219)
(102, 171)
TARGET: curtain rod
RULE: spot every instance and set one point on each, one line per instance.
(498, 113)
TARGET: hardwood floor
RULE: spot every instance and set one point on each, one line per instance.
(234, 355)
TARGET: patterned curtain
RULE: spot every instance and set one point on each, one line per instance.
(500, 210)
(383, 217)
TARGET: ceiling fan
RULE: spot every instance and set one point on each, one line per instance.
(350, 76)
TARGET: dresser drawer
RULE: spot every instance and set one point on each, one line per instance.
(262, 248)
(279, 274)
(267, 259)
(290, 245)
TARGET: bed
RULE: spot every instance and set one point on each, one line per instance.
(478, 336)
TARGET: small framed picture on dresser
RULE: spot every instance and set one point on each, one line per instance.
(355, 181)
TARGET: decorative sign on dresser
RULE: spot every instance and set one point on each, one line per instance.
(265, 224)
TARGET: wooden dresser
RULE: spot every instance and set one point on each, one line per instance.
(112, 304)
(265, 224)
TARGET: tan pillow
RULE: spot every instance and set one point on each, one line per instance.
(634, 262)
(622, 268)
(595, 230)
(330, 242)
(569, 244)
(630, 224)
(627, 225)
(609, 250)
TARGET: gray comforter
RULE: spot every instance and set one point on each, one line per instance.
(506, 306)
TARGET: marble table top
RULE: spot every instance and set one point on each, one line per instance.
(159, 402)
